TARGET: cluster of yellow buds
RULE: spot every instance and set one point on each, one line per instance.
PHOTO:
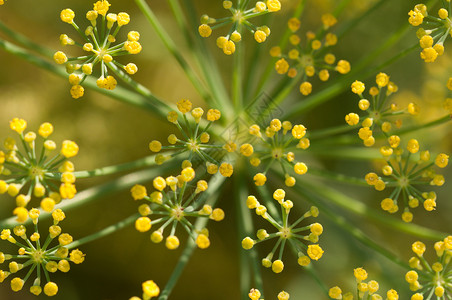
(173, 205)
(365, 290)
(274, 146)
(287, 233)
(380, 113)
(195, 141)
(100, 47)
(255, 294)
(431, 281)
(404, 171)
(239, 19)
(42, 257)
(310, 60)
(150, 290)
(24, 167)
(2, 2)
(435, 31)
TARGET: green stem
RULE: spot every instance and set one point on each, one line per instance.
(23, 40)
(147, 161)
(172, 48)
(282, 44)
(352, 153)
(337, 177)
(359, 208)
(119, 93)
(352, 229)
(138, 87)
(349, 140)
(207, 63)
(96, 193)
(245, 228)
(212, 194)
(237, 76)
(323, 133)
(104, 232)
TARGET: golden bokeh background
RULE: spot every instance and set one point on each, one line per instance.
(110, 132)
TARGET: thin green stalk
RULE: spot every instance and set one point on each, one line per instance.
(246, 228)
(104, 232)
(147, 161)
(137, 86)
(327, 132)
(349, 140)
(201, 58)
(312, 272)
(172, 48)
(439, 121)
(351, 228)
(350, 153)
(254, 66)
(119, 93)
(237, 77)
(207, 63)
(354, 23)
(23, 40)
(96, 193)
(282, 44)
(212, 193)
(337, 177)
(361, 209)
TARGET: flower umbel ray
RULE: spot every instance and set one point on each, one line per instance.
(195, 140)
(27, 171)
(38, 256)
(404, 171)
(175, 202)
(286, 233)
(100, 47)
(239, 20)
(431, 281)
(273, 147)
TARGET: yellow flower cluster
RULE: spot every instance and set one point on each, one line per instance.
(255, 294)
(404, 171)
(380, 113)
(34, 255)
(173, 205)
(287, 233)
(435, 279)
(239, 19)
(100, 47)
(365, 290)
(195, 139)
(310, 59)
(26, 171)
(274, 146)
(150, 290)
(434, 32)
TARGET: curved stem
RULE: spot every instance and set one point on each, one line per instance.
(119, 93)
(353, 230)
(172, 48)
(96, 193)
(104, 232)
(359, 208)
(212, 193)
(142, 162)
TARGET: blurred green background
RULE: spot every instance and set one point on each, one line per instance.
(109, 132)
